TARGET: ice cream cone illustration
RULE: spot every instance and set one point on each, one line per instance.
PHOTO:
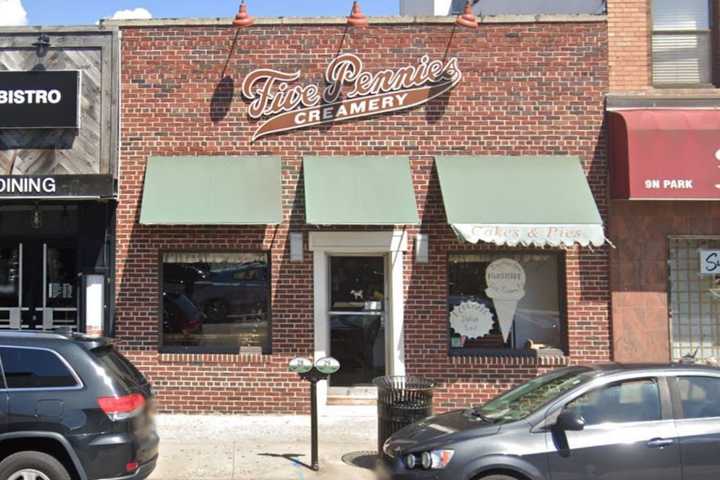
(505, 279)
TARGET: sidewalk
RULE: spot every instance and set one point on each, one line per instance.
(269, 447)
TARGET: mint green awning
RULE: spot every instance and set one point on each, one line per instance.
(359, 191)
(212, 191)
(538, 200)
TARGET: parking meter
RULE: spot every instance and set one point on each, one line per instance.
(313, 373)
(300, 365)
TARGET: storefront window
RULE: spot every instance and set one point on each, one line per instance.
(216, 302)
(506, 304)
(694, 298)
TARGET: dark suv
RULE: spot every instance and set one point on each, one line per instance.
(610, 422)
(72, 407)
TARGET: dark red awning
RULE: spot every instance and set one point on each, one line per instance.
(665, 154)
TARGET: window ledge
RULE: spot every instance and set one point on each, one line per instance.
(215, 358)
(511, 360)
(664, 99)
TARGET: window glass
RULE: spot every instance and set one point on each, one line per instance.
(694, 301)
(700, 396)
(505, 301)
(118, 366)
(9, 276)
(358, 283)
(632, 401)
(681, 44)
(29, 368)
(357, 318)
(673, 15)
(529, 397)
(216, 301)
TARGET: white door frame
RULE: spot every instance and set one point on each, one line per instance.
(391, 243)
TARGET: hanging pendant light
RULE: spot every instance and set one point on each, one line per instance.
(357, 19)
(36, 220)
(243, 18)
(467, 19)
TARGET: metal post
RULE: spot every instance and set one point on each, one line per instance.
(314, 425)
(322, 370)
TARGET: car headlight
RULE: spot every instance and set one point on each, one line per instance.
(431, 460)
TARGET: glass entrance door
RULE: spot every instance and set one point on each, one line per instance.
(38, 285)
(357, 314)
(11, 285)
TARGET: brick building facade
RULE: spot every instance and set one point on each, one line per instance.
(662, 306)
(530, 87)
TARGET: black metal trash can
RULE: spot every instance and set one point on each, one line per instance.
(401, 401)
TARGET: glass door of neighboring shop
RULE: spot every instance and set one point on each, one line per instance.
(38, 285)
(357, 314)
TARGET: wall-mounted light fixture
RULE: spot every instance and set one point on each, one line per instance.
(243, 18)
(422, 248)
(467, 18)
(296, 247)
(42, 45)
(357, 19)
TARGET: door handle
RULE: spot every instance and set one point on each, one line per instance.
(660, 442)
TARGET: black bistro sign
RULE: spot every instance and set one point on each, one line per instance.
(40, 99)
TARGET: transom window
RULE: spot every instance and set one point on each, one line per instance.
(681, 42)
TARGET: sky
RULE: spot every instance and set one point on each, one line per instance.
(88, 12)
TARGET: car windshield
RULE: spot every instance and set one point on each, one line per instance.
(529, 397)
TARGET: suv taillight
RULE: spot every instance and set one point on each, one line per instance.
(122, 408)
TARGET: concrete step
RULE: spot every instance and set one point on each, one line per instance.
(352, 396)
(351, 401)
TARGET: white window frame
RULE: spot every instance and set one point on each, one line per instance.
(394, 244)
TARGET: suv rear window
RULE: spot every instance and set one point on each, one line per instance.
(118, 366)
(35, 368)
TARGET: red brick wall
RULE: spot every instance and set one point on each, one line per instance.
(527, 89)
(630, 45)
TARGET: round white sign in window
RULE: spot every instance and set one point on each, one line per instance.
(717, 155)
(471, 319)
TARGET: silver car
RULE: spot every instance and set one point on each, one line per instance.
(609, 422)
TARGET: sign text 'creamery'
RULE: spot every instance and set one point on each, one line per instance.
(350, 92)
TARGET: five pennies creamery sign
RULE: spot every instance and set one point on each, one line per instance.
(351, 92)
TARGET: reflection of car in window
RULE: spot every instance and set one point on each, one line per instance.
(180, 277)
(180, 315)
(238, 293)
(219, 293)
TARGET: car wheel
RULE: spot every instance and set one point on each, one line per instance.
(32, 466)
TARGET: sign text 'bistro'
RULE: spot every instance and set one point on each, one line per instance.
(351, 92)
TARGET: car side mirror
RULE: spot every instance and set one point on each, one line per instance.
(570, 421)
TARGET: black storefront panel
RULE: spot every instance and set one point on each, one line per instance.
(57, 186)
